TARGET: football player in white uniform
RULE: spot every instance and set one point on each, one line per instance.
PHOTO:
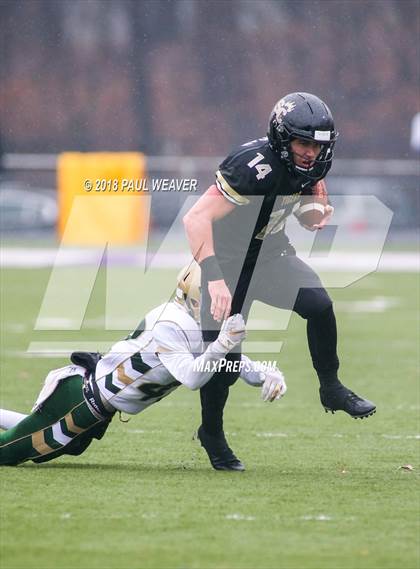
(77, 402)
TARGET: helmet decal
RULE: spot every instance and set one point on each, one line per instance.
(282, 108)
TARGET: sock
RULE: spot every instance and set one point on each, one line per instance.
(322, 340)
(213, 399)
(9, 419)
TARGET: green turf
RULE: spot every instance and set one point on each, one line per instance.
(320, 491)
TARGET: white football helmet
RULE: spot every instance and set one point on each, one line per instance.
(188, 290)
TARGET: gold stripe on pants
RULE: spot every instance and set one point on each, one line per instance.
(39, 444)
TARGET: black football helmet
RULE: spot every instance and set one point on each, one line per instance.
(305, 116)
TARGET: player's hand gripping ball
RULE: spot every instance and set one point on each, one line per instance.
(313, 209)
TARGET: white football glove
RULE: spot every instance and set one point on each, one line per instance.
(232, 332)
(274, 385)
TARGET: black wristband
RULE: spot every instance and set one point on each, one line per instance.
(210, 269)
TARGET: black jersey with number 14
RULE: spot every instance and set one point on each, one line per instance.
(265, 193)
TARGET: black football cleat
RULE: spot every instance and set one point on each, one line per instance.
(340, 398)
(219, 453)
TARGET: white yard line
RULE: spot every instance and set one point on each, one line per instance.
(345, 261)
(376, 304)
(240, 518)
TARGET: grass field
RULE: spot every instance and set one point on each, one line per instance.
(320, 491)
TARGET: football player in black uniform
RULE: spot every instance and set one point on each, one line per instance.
(237, 233)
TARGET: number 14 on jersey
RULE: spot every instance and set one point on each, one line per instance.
(262, 169)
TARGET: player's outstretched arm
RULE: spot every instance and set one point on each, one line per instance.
(272, 381)
(198, 223)
(174, 351)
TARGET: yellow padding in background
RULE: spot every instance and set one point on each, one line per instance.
(95, 206)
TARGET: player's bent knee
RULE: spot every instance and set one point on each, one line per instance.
(312, 302)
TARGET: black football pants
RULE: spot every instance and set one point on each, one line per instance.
(283, 282)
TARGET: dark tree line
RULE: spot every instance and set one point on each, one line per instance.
(195, 77)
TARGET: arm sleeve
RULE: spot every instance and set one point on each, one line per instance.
(235, 180)
(174, 351)
(227, 190)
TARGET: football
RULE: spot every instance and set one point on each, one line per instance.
(311, 208)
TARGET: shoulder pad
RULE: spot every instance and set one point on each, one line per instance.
(175, 315)
(247, 171)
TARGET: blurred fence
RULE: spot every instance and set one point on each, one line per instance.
(28, 195)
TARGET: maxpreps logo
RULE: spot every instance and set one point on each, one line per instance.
(233, 366)
(283, 108)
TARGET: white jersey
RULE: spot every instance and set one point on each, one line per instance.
(154, 360)
(165, 351)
